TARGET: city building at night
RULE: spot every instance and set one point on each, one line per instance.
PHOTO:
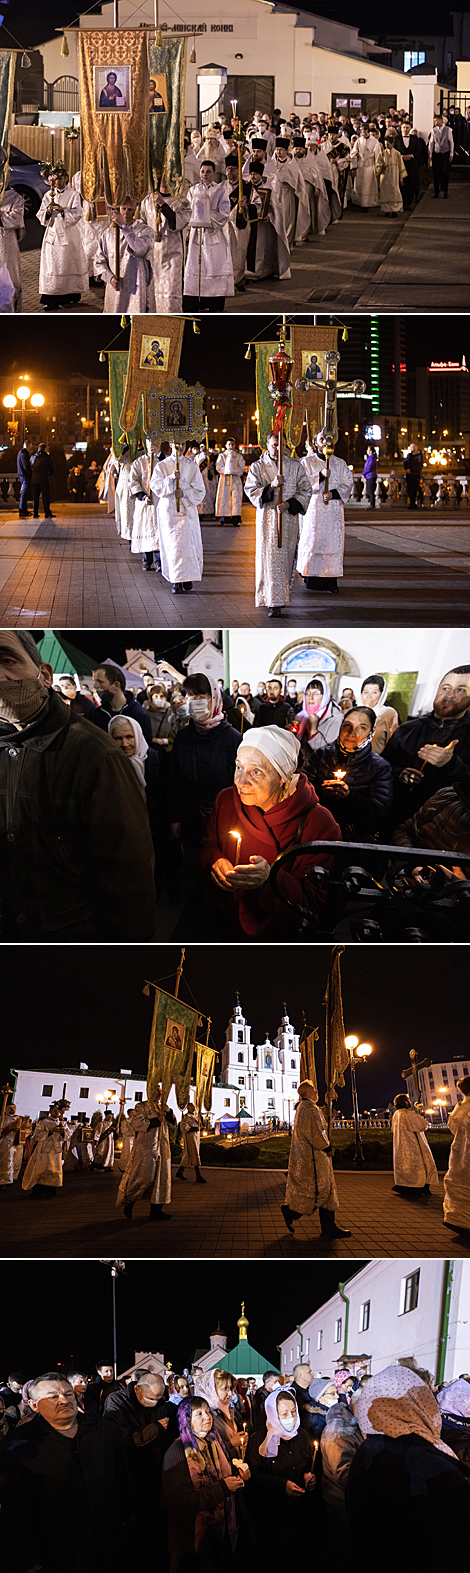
(438, 1086)
(443, 389)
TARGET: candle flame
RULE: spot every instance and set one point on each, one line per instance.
(237, 835)
(339, 774)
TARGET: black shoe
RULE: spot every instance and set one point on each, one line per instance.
(274, 611)
(322, 586)
(288, 1217)
(128, 1209)
(49, 515)
(446, 193)
(177, 589)
(187, 585)
(200, 1180)
(156, 1213)
(180, 1174)
(329, 1226)
(148, 567)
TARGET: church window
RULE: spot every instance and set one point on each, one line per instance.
(226, 1103)
(269, 1061)
(84, 1092)
(338, 1330)
(320, 1338)
(240, 1059)
(241, 1081)
(270, 1103)
(294, 1084)
(269, 1084)
(240, 1038)
(138, 1097)
(292, 1065)
(47, 1090)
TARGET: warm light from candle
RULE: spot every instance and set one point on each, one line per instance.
(237, 835)
(339, 775)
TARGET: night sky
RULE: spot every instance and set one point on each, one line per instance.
(61, 1006)
(29, 347)
(31, 24)
(61, 1312)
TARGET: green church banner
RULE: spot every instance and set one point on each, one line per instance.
(7, 81)
(167, 67)
(117, 364)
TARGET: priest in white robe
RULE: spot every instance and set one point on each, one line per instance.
(12, 230)
(310, 1177)
(103, 1137)
(142, 1169)
(144, 537)
(230, 468)
(239, 228)
(321, 542)
(45, 1166)
(413, 1163)
(268, 253)
(63, 272)
(178, 520)
(208, 275)
(168, 217)
(190, 1130)
(391, 174)
(319, 214)
(329, 174)
(291, 187)
(274, 564)
(136, 240)
(91, 227)
(125, 497)
(10, 1128)
(364, 157)
(457, 1179)
(206, 467)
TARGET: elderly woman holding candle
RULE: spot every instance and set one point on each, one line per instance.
(352, 778)
(269, 809)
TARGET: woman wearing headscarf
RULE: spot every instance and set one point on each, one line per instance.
(310, 1178)
(160, 712)
(356, 782)
(413, 1163)
(219, 1387)
(201, 762)
(457, 1179)
(318, 720)
(374, 694)
(199, 1487)
(270, 808)
(150, 768)
(454, 1404)
(280, 1458)
(407, 1498)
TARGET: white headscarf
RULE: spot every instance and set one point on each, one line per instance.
(272, 1418)
(396, 1402)
(141, 746)
(455, 1398)
(382, 702)
(280, 747)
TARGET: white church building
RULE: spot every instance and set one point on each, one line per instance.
(266, 1074)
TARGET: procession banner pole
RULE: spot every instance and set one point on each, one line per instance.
(178, 510)
(179, 972)
(280, 456)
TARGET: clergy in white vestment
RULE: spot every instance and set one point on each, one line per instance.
(321, 541)
(292, 191)
(230, 468)
(259, 154)
(274, 564)
(125, 498)
(10, 1128)
(329, 174)
(391, 174)
(206, 467)
(268, 253)
(208, 275)
(168, 217)
(63, 272)
(144, 536)
(413, 1163)
(136, 241)
(239, 228)
(457, 1179)
(149, 1164)
(310, 1177)
(103, 1137)
(192, 170)
(319, 215)
(12, 230)
(211, 149)
(178, 520)
(7, 291)
(91, 227)
(45, 1164)
(364, 157)
(190, 1130)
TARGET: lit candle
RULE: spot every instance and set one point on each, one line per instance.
(237, 835)
(339, 775)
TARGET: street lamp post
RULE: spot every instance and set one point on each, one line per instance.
(357, 1051)
(23, 393)
(116, 1268)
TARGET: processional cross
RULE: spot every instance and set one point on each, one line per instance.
(331, 387)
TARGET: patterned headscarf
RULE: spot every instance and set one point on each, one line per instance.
(396, 1402)
(455, 1398)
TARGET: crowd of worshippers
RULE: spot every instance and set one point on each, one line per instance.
(199, 1472)
(122, 793)
(227, 228)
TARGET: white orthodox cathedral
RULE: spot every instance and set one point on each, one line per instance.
(265, 1076)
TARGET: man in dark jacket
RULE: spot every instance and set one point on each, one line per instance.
(141, 1417)
(276, 711)
(100, 1389)
(413, 466)
(76, 855)
(24, 469)
(433, 750)
(110, 684)
(67, 1491)
(441, 825)
(42, 469)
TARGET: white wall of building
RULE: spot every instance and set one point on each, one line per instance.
(392, 1334)
(266, 1074)
(302, 52)
(429, 651)
(439, 1081)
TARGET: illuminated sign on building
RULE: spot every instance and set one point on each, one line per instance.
(448, 365)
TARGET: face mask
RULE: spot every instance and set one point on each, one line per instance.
(260, 691)
(312, 707)
(288, 1425)
(199, 709)
(20, 701)
(103, 695)
(159, 704)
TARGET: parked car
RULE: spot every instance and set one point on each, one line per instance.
(26, 178)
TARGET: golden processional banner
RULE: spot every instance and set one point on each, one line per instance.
(308, 1070)
(172, 1044)
(205, 1063)
(167, 87)
(307, 348)
(114, 114)
(7, 81)
(154, 357)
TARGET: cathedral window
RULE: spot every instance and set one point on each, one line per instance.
(241, 1081)
(292, 1065)
(240, 1037)
(240, 1059)
(269, 1083)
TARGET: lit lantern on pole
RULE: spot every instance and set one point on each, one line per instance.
(280, 388)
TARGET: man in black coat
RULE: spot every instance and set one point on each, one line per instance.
(66, 1488)
(141, 1416)
(42, 469)
(99, 1390)
(413, 466)
(276, 712)
(433, 750)
(110, 684)
(76, 854)
(24, 470)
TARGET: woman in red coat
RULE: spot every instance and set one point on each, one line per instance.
(269, 809)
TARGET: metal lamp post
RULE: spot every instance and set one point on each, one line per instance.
(116, 1268)
(357, 1051)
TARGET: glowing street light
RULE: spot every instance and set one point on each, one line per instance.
(23, 394)
(357, 1051)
